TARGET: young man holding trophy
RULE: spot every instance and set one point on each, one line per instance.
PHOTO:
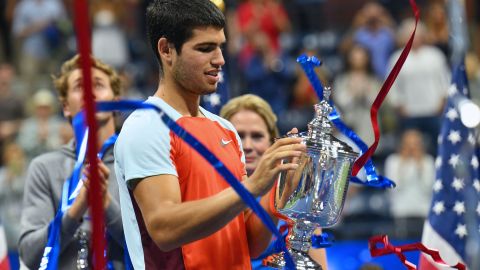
(178, 212)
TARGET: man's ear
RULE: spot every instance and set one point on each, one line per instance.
(165, 51)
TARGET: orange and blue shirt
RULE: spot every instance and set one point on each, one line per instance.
(146, 147)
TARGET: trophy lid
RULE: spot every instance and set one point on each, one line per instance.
(319, 136)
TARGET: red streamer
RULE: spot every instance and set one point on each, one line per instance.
(360, 162)
(279, 215)
(94, 195)
(388, 248)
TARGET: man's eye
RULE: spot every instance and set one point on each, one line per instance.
(206, 49)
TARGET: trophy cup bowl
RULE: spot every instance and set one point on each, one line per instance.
(314, 194)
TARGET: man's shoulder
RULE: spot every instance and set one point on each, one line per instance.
(216, 118)
(143, 130)
(146, 117)
(51, 161)
(54, 156)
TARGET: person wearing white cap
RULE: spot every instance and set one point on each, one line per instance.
(40, 133)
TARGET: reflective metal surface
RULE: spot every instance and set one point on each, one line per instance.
(314, 194)
(82, 256)
(302, 262)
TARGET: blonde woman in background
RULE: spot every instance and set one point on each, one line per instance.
(256, 125)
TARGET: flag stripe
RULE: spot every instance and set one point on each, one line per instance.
(431, 238)
(426, 264)
(4, 265)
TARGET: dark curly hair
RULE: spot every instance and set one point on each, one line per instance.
(175, 20)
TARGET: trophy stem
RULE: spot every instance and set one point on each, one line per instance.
(301, 259)
(300, 243)
(300, 239)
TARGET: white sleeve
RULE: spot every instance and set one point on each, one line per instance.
(143, 147)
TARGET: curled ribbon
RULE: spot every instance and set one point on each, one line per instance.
(388, 248)
(362, 160)
(286, 229)
(373, 179)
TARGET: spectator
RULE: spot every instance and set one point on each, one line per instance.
(355, 90)
(436, 22)
(261, 21)
(413, 170)
(266, 68)
(40, 133)
(373, 29)
(6, 10)
(269, 76)
(109, 41)
(472, 67)
(418, 95)
(11, 105)
(48, 172)
(35, 26)
(12, 182)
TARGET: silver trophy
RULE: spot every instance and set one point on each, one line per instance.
(313, 195)
(82, 255)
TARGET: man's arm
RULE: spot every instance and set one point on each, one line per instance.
(258, 235)
(172, 223)
(37, 214)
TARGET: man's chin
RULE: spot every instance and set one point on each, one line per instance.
(209, 91)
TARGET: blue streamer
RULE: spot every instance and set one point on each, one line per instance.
(308, 64)
(322, 240)
(246, 196)
(373, 179)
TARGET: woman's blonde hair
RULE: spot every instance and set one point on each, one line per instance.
(255, 104)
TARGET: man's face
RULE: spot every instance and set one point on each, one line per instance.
(196, 69)
(101, 88)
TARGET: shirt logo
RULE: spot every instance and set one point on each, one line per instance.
(225, 142)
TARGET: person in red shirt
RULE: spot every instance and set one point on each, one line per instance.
(178, 212)
(261, 20)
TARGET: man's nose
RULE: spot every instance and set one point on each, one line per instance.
(218, 59)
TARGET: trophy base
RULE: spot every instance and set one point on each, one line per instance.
(301, 259)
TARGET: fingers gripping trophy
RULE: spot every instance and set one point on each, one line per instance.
(314, 194)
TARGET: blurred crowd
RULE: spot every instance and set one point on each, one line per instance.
(357, 41)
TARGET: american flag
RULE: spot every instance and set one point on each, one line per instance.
(4, 265)
(453, 222)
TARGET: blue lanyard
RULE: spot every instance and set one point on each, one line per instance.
(52, 250)
(373, 179)
(246, 196)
